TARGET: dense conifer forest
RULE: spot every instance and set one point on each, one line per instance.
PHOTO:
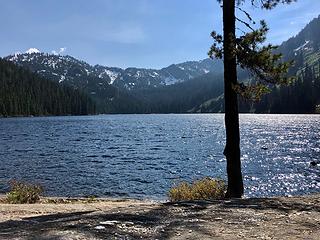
(302, 96)
(23, 93)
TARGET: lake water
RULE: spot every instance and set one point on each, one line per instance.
(141, 156)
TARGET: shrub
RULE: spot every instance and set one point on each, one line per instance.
(21, 192)
(91, 199)
(204, 189)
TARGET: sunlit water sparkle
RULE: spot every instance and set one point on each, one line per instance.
(141, 156)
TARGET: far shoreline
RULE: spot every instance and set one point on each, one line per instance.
(114, 114)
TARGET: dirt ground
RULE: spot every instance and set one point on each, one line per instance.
(260, 218)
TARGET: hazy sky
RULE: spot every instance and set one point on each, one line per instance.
(137, 33)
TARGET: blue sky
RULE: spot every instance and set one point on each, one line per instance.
(132, 33)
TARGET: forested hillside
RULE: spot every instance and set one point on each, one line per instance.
(303, 94)
(23, 93)
(181, 97)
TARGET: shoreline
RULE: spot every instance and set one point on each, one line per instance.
(186, 113)
(296, 217)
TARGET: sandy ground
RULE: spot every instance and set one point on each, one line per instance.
(270, 218)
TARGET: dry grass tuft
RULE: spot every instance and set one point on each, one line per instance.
(204, 189)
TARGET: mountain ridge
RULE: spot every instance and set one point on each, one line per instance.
(140, 90)
(128, 78)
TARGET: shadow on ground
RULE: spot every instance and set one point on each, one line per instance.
(283, 204)
(161, 222)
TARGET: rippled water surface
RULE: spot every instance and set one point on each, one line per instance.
(141, 156)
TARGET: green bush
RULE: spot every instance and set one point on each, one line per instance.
(204, 189)
(21, 192)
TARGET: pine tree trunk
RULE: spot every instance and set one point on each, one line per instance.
(232, 149)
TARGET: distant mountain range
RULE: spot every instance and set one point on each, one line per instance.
(74, 72)
(194, 86)
(114, 89)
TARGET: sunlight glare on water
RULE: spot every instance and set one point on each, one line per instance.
(141, 156)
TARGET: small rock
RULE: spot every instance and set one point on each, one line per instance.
(100, 227)
(313, 163)
(108, 222)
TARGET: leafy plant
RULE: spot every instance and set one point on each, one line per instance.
(21, 192)
(203, 189)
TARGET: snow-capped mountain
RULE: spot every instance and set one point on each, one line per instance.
(32, 50)
(195, 86)
(59, 68)
(113, 89)
(77, 73)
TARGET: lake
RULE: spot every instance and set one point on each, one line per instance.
(141, 156)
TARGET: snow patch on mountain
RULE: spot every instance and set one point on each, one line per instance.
(62, 78)
(111, 74)
(64, 68)
(59, 52)
(138, 74)
(171, 80)
(32, 50)
(15, 57)
(154, 74)
(302, 47)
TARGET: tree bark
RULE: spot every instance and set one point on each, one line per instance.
(232, 148)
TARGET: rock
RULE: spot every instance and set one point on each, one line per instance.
(313, 163)
(99, 227)
(109, 222)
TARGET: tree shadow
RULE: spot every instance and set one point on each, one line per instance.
(158, 223)
(279, 204)
(161, 222)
